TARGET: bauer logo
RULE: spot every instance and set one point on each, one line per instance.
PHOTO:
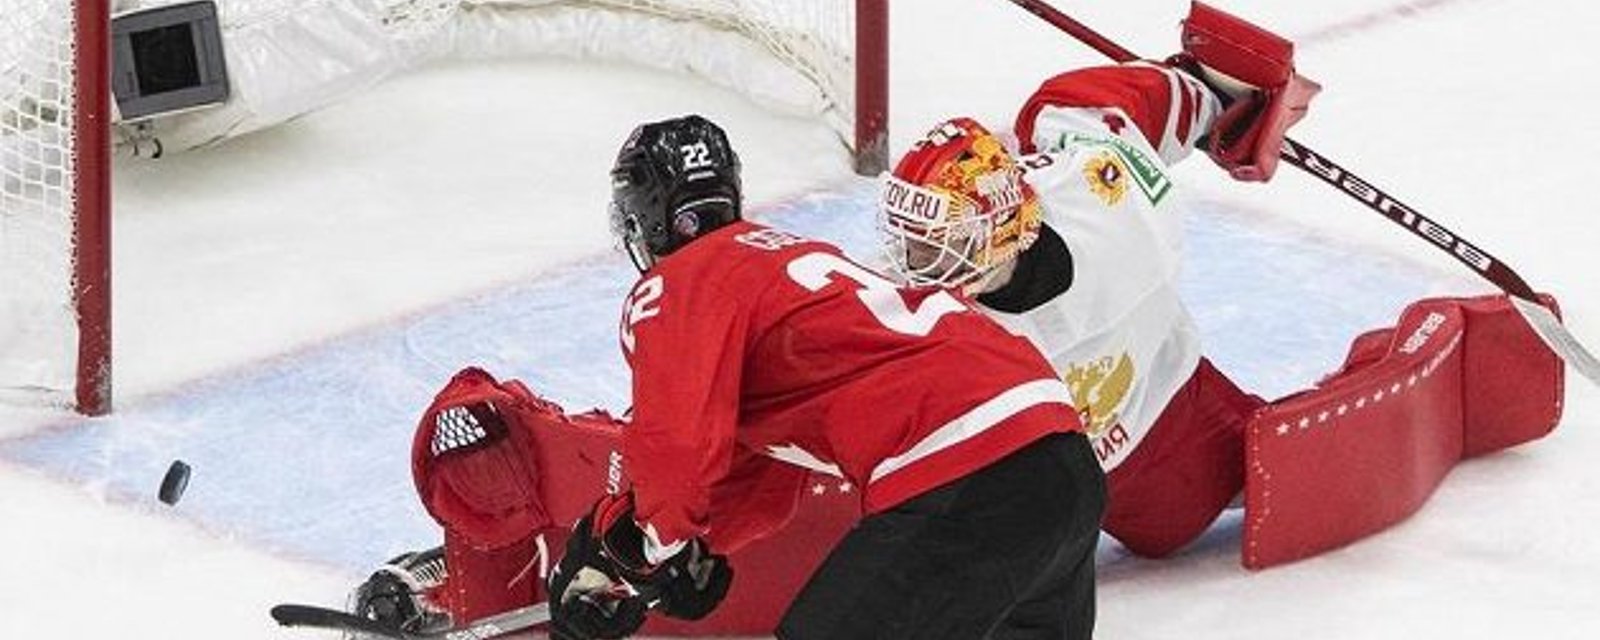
(1418, 338)
(1416, 222)
(614, 473)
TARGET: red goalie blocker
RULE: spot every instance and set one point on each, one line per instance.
(482, 460)
(1456, 378)
(506, 473)
(1255, 68)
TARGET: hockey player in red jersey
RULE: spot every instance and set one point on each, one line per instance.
(758, 354)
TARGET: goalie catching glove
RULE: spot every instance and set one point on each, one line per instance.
(604, 583)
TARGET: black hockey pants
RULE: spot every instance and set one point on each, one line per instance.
(1006, 553)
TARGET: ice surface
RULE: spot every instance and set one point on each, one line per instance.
(286, 304)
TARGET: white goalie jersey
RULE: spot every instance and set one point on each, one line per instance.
(1119, 335)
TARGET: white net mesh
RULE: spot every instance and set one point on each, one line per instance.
(37, 323)
(816, 38)
(287, 57)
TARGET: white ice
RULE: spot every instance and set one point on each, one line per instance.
(278, 288)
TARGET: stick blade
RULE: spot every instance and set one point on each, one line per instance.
(313, 617)
(1556, 336)
(300, 615)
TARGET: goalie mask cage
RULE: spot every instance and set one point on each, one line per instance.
(55, 345)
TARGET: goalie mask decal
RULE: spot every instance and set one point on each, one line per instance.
(956, 207)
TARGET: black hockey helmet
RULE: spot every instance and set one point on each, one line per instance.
(674, 180)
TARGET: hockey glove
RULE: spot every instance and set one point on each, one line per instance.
(1252, 71)
(397, 594)
(588, 599)
(687, 585)
(692, 583)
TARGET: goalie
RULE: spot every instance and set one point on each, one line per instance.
(1076, 245)
(1073, 245)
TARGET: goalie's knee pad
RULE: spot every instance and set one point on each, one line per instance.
(475, 462)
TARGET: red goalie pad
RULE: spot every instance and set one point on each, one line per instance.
(500, 563)
(505, 473)
(1365, 448)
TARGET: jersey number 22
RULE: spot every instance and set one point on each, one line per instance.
(814, 271)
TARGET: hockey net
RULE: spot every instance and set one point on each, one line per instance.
(820, 58)
(54, 291)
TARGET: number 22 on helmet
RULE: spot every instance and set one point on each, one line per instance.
(673, 181)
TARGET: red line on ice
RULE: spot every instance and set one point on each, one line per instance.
(1373, 20)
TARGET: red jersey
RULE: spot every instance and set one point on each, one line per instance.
(756, 352)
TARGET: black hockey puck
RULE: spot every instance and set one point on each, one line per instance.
(176, 480)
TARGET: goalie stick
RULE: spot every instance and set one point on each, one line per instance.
(300, 615)
(1539, 318)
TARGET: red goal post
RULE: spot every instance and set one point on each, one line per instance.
(55, 242)
(57, 134)
(91, 281)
